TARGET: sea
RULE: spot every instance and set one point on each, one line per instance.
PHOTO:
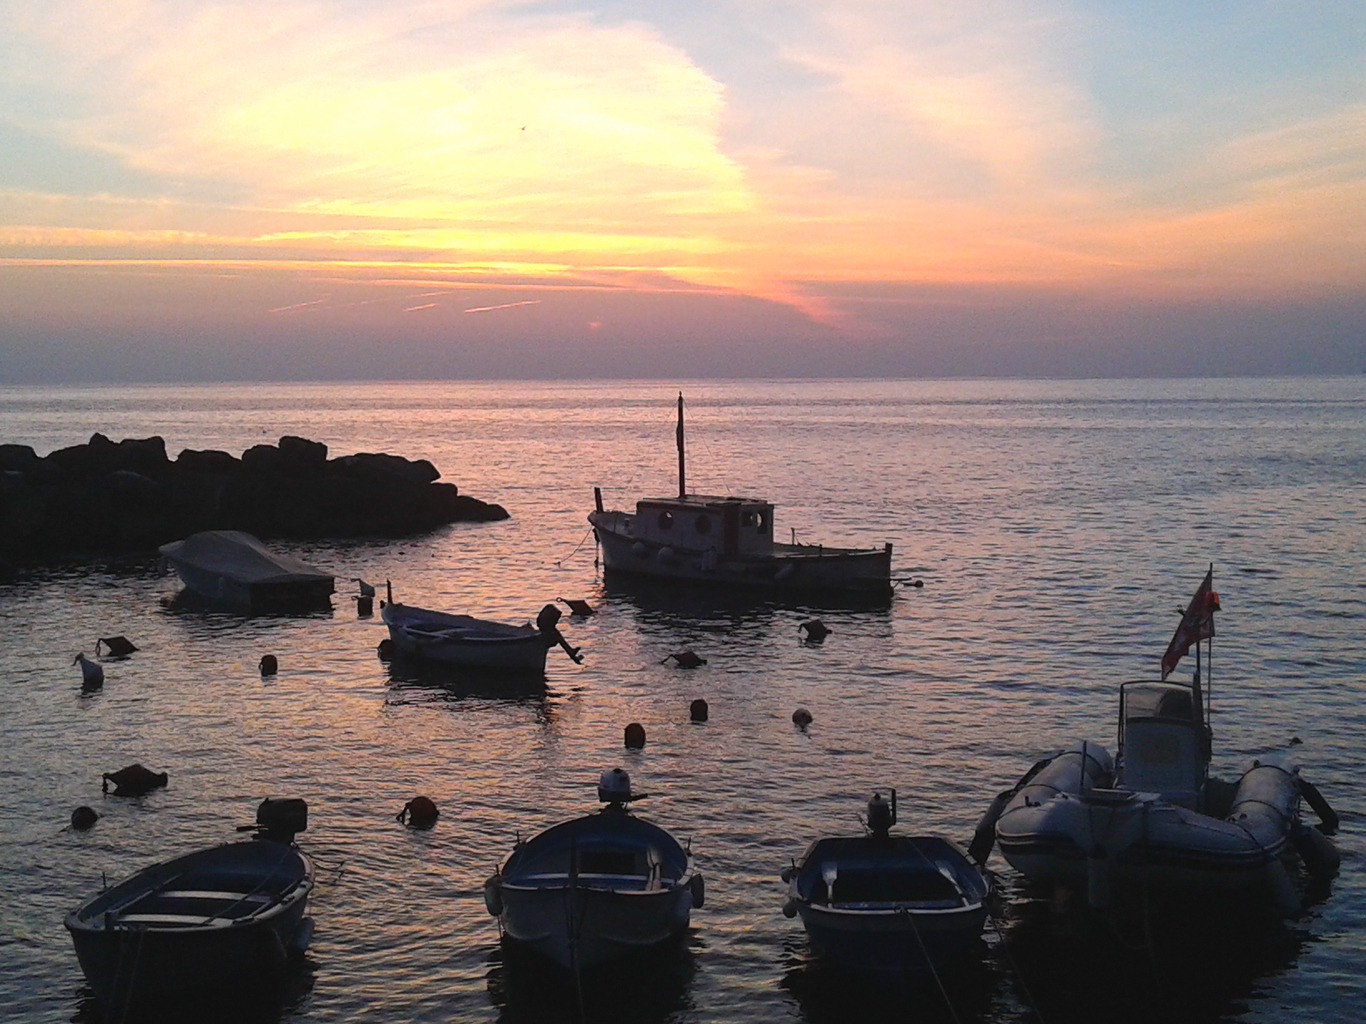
(1057, 527)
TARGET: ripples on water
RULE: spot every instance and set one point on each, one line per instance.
(1057, 527)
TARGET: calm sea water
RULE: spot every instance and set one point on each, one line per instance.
(1057, 527)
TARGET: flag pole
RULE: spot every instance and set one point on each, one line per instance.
(682, 479)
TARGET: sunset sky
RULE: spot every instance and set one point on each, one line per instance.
(305, 189)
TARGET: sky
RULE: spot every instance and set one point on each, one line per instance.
(394, 189)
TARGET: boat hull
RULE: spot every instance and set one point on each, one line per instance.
(790, 569)
(893, 904)
(595, 889)
(465, 642)
(581, 927)
(232, 914)
(234, 569)
(1062, 827)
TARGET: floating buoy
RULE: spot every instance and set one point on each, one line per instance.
(118, 646)
(698, 710)
(698, 888)
(420, 811)
(385, 649)
(815, 630)
(83, 817)
(801, 718)
(365, 607)
(134, 780)
(269, 665)
(92, 672)
(635, 736)
(685, 659)
(576, 606)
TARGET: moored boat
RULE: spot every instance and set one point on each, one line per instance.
(233, 568)
(880, 902)
(467, 642)
(596, 888)
(728, 541)
(229, 915)
(1153, 815)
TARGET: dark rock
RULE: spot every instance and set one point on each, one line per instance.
(301, 453)
(208, 461)
(262, 458)
(102, 498)
(146, 456)
(18, 458)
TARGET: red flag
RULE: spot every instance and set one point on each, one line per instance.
(1197, 623)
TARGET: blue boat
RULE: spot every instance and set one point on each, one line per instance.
(596, 888)
(229, 915)
(886, 903)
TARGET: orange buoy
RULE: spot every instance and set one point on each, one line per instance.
(420, 811)
(635, 736)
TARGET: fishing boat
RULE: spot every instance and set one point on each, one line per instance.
(597, 888)
(879, 902)
(728, 541)
(1153, 816)
(233, 568)
(466, 642)
(229, 915)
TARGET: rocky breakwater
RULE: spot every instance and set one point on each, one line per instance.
(107, 498)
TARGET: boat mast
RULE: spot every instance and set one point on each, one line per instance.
(682, 478)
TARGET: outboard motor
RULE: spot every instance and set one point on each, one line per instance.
(614, 789)
(280, 819)
(881, 815)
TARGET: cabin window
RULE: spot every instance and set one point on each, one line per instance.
(666, 520)
(702, 524)
(748, 518)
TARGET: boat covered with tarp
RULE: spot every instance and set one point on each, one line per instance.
(233, 568)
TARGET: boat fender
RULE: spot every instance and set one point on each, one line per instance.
(784, 573)
(1320, 856)
(790, 909)
(1098, 879)
(788, 872)
(1282, 891)
(638, 549)
(1314, 798)
(667, 556)
(275, 953)
(303, 935)
(493, 894)
(698, 888)
(984, 836)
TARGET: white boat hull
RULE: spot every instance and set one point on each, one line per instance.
(594, 889)
(1063, 827)
(582, 927)
(465, 642)
(791, 568)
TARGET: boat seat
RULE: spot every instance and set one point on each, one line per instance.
(213, 894)
(188, 920)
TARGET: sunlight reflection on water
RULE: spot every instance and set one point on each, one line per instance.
(1056, 525)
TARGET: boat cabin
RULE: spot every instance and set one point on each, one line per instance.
(1164, 744)
(699, 522)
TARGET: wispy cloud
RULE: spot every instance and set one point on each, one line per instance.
(920, 141)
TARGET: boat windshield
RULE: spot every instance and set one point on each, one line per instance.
(1169, 701)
